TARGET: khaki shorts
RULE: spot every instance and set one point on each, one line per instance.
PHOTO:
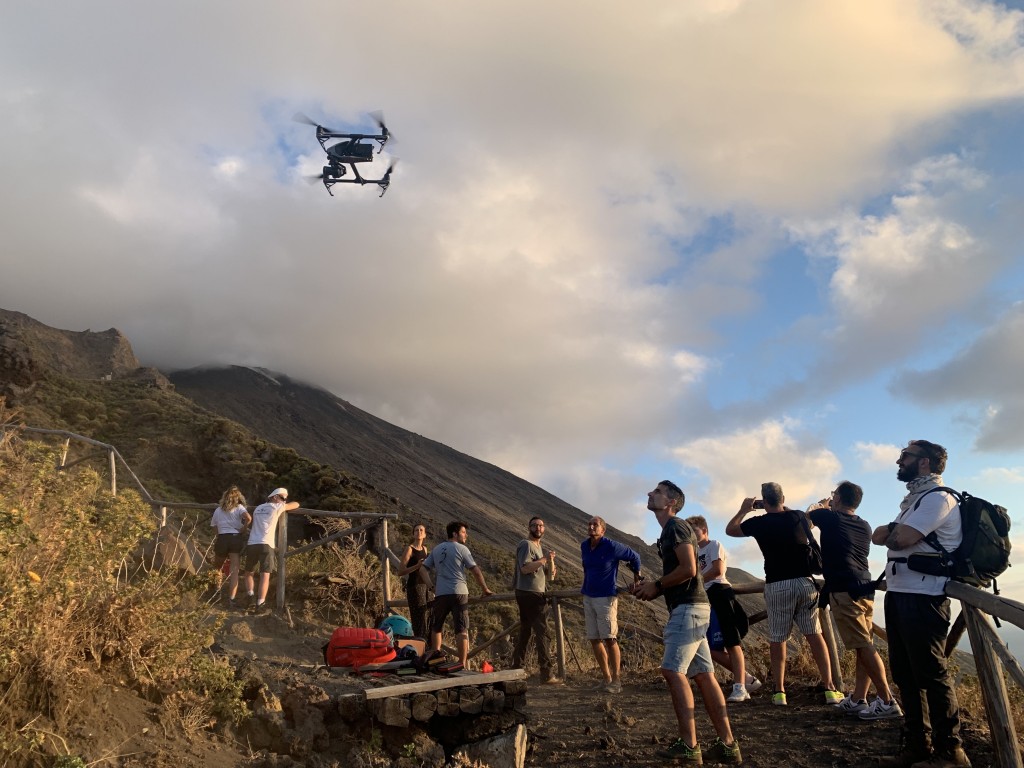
(853, 619)
(602, 616)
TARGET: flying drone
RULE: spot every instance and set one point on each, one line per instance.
(343, 156)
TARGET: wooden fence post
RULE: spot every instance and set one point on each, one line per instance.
(559, 637)
(282, 547)
(113, 472)
(385, 563)
(828, 631)
(993, 688)
(64, 453)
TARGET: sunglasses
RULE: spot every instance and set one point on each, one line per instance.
(904, 454)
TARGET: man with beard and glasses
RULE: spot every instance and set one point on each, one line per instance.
(917, 612)
(532, 571)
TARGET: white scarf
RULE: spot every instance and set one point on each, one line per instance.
(916, 487)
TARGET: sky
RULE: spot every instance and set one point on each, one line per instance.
(720, 242)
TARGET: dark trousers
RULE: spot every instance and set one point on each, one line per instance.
(533, 620)
(418, 599)
(917, 626)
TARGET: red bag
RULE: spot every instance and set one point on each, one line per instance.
(354, 646)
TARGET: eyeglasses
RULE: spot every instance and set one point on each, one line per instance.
(536, 525)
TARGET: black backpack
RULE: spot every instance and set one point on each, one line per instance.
(984, 552)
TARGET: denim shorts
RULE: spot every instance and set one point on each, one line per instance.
(686, 642)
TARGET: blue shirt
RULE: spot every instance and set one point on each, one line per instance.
(601, 566)
(449, 561)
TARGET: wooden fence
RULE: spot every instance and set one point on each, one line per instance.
(991, 655)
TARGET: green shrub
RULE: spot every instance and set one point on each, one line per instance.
(73, 598)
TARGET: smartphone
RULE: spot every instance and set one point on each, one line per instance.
(758, 503)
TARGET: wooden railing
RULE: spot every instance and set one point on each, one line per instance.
(991, 655)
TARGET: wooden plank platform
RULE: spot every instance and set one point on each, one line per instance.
(452, 681)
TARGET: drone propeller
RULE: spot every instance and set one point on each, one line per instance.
(378, 118)
(299, 117)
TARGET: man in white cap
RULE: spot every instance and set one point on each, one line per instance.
(260, 553)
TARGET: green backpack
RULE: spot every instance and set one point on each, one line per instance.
(984, 552)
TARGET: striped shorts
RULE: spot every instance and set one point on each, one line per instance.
(789, 600)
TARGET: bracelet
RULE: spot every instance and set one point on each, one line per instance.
(892, 527)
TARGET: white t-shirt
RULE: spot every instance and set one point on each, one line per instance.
(264, 523)
(706, 556)
(229, 522)
(938, 512)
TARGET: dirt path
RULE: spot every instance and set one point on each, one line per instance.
(573, 727)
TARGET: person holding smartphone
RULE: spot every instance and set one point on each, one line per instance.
(790, 593)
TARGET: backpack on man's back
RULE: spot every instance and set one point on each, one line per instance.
(984, 552)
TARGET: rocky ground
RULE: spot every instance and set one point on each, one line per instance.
(569, 726)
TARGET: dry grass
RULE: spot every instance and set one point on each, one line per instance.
(72, 597)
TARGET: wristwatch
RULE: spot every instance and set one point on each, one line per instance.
(658, 586)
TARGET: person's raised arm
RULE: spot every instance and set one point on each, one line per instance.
(733, 528)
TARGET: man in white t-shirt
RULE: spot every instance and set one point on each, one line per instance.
(917, 612)
(726, 650)
(260, 552)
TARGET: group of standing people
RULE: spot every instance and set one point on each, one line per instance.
(693, 583)
(917, 611)
(231, 519)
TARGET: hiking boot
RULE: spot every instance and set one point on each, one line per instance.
(905, 758)
(613, 687)
(681, 753)
(879, 710)
(948, 758)
(833, 697)
(720, 752)
(739, 693)
(552, 680)
(232, 604)
(754, 685)
(850, 707)
(779, 699)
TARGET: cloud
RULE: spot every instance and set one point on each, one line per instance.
(985, 372)
(735, 465)
(585, 223)
(876, 457)
(1010, 475)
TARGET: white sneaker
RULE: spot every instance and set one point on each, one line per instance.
(879, 710)
(739, 693)
(754, 685)
(849, 706)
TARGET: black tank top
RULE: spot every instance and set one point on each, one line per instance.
(416, 556)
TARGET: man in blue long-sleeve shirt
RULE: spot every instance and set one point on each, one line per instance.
(601, 557)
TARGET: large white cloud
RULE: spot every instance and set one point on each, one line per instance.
(985, 374)
(543, 286)
(734, 465)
